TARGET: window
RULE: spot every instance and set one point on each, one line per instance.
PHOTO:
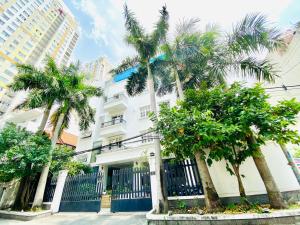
(14, 9)
(17, 60)
(115, 142)
(148, 137)
(5, 16)
(10, 29)
(5, 34)
(9, 12)
(14, 24)
(3, 79)
(144, 111)
(21, 54)
(1, 22)
(11, 47)
(1, 40)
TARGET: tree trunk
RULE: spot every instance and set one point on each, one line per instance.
(161, 193)
(212, 200)
(44, 119)
(38, 198)
(178, 84)
(291, 161)
(275, 197)
(242, 191)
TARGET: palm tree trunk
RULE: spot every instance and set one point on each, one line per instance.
(291, 161)
(38, 198)
(161, 194)
(45, 118)
(178, 84)
(275, 197)
(212, 200)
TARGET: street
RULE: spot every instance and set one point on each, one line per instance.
(83, 219)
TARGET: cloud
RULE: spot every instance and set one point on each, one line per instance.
(107, 22)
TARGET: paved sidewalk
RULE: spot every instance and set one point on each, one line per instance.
(84, 219)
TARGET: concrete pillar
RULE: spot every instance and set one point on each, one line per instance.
(154, 192)
(104, 170)
(61, 179)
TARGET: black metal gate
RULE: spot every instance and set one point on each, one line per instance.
(131, 190)
(182, 178)
(82, 193)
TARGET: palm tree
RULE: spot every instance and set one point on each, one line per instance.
(42, 85)
(217, 56)
(75, 99)
(147, 46)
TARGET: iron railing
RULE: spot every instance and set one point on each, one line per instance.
(50, 189)
(182, 178)
(114, 98)
(131, 183)
(83, 187)
(113, 122)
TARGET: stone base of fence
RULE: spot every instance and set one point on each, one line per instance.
(196, 201)
(286, 217)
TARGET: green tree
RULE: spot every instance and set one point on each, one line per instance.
(45, 87)
(147, 46)
(75, 99)
(230, 124)
(62, 159)
(23, 156)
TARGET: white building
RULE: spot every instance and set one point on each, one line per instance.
(120, 117)
(30, 30)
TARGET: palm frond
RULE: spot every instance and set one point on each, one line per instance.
(253, 34)
(260, 69)
(137, 82)
(187, 26)
(161, 28)
(127, 63)
(131, 24)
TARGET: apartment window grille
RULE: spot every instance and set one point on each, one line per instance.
(14, 9)
(144, 111)
(1, 40)
(18, 5)
(5, 33)
(10, 29)
(5, 17)
(9, 12)
(1, 22)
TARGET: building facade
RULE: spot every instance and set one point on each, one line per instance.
(120, 121)
(30, 30)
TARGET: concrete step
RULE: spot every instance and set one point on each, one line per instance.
(105, 202)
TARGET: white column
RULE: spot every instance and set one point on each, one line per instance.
(61, 179)
(104, 170)
(154, 192)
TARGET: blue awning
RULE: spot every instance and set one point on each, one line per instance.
(127, 73)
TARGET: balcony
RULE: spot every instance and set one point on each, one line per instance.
(116, 103)
(113, 128)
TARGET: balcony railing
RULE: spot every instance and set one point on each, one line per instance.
(113, 122)
(115, 98)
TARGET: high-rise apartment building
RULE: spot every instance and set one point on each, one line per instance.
(30, 30)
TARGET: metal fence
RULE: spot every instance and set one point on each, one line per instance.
(130, 183)
(182, 178)
(50, 189)
(83, 187)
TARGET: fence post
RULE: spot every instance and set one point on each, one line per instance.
(153, 180)
(61, 179)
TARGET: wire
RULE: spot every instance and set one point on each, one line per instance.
(110, 145)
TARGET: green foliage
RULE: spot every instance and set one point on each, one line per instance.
(180, 204)
(22, 153)
(63, 159)
(218, 123)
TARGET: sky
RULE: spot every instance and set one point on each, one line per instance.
(101, 22)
